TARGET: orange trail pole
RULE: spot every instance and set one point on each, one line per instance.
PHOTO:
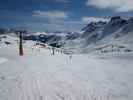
(20, 44)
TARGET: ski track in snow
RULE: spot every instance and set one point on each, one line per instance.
(3, 60)
(40, 76)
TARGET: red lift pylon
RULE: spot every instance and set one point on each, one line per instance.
(21, 53)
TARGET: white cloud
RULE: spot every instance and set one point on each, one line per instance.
(93, 19)
(116, 5)
(51, 14)
(57, 20)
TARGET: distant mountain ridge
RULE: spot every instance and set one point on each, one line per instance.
(117, 32)
(114, 34)
(95, 31)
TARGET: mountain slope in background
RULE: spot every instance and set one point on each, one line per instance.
(117, 33)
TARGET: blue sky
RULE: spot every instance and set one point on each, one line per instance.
(55, 15)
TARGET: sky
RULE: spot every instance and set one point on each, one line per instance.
(59, 15)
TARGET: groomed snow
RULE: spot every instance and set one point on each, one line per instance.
(38, 75)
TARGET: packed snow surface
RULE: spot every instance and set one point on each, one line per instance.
(38, 75)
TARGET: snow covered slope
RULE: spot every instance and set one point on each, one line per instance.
(38, 75)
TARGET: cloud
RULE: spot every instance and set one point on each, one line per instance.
(93, 19)
(56, 20)
(50, 14)
(116, 5)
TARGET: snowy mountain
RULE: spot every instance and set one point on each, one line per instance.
(99, 30)
(100, 36)
(54, 39)
(95, 37)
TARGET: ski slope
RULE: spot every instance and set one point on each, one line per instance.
(38, 75)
